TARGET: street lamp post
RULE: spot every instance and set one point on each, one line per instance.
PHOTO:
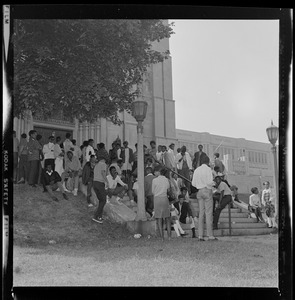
(272, 134)
(139, 109)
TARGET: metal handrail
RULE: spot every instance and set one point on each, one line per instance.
(163, 165)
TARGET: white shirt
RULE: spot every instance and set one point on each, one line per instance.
(254, 200)
(186, 157)
(135, 186)
(160, 156)
(171, 157)
(160, 185)
(48, 151)
(77, 151)
(67, 145)
(113, 182)
(264, 195)
(57, 150)
(89, 151)
(126, 165)
(203, 177)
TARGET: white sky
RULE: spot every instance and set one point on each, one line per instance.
(225, 76)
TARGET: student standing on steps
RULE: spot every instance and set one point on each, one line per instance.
(225, 198)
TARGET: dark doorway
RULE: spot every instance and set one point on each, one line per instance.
(46, 132)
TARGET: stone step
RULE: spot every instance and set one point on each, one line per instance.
(238, 220)
(234, 232)
(235, 225)
(225, 214)
(245, 231)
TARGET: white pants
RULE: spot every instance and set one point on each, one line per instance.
(271, 222)
(178, 228)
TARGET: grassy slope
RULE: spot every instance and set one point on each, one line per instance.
(38, 219)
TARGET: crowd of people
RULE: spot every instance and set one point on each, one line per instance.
(171, 180)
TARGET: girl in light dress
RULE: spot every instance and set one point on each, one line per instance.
(175, 220)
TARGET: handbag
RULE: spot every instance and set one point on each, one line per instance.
(70, 184)
(170, 195)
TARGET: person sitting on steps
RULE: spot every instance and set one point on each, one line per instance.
(175, 220)
(185, 213)
(255, 204)
(116, 186)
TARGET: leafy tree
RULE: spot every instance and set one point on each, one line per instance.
(85, 68)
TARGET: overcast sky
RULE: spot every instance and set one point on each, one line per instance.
(225, 76)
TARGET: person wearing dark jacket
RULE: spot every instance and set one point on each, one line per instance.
(87, 177)
(199, 157)
(185, 213)
(52, 182)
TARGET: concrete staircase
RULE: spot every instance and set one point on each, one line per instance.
(241, 223)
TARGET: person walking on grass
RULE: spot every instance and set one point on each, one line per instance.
(203, 181)
(52, 182)
(100, 185)
(160, 187)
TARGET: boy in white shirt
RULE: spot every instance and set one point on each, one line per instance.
(255, 204)
(115, 189)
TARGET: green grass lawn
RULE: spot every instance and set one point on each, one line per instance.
(85, 253)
